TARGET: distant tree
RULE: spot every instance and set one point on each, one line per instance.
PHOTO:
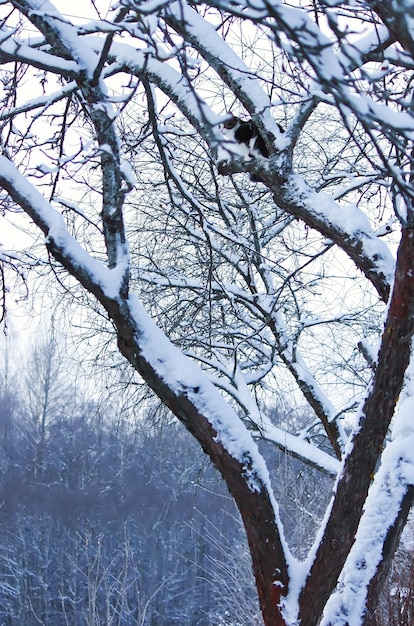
(45, 388)
(253, 288)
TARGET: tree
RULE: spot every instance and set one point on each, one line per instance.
(238, 287)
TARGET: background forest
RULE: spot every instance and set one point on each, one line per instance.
(105, 522)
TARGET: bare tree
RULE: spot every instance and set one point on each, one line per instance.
(119, 162)
(46, 393)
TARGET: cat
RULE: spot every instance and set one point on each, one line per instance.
(251, 144)
(245, 134)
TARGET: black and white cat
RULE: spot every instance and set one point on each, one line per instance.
(246, 135)
(243, 139)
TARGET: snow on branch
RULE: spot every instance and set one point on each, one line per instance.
(182, 376)
(346, 225)
(60, 34)
(12, 49)
(342, 225)
(300, 449)
(175, 85)
(41, 102)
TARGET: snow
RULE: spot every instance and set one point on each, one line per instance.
(404, 425)
(386, 116)
(180, 373)
(88, 49)
(346, 605)
(176, 370)
(128, 174)
(301, 449)
(166, 77)
(292, 444)
(352, 53)
(303, 374)
(34, 56)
